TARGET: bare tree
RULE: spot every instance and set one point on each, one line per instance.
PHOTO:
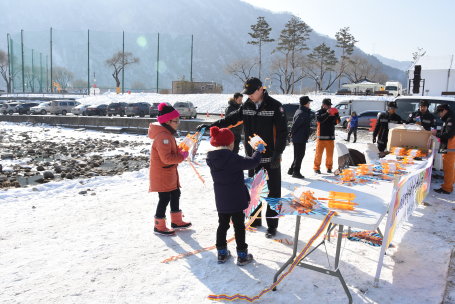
(418, 54)
(286, 80)
(291, 41)
(359, 68)
(260, 34)
(62, 76)
(4, 68)
(119, 61)
(137, 85)
(320, 64)
(79, 84)
(241, 68)
(381, 78)
(346, 42)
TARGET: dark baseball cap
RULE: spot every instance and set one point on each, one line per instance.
(327, 101)
(424, 103)
(251, 85)
(304, 100)
(443, 107)
(393, 105)
(237, 95)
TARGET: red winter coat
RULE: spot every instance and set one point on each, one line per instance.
(164, 159)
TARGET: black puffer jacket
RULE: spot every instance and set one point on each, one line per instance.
(233, 106)
(268, 121)
(382, 126)
(447, 133)
(427, 120)
(326, 124)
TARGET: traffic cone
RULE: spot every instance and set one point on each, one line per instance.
(221, 113)
(207, 113)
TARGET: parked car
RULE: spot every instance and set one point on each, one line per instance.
(343, 92)
(153, 110)
(80, 110)
(62, 106)
(290, 108)
(137, 108)
(364, 118)
(24, 108)
(100, 110)
(186, 109)
(116, 108)
(325, 92)
(41, 108)
(9, 108)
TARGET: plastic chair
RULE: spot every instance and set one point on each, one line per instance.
(370, 156)
(373, 147)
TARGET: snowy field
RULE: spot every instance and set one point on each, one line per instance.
(58, 246)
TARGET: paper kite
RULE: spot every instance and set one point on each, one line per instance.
(259, 190)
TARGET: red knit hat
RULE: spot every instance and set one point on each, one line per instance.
(221, 137)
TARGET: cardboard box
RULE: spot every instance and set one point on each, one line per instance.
(409, 139)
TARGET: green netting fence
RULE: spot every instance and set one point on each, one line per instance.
(74, 61)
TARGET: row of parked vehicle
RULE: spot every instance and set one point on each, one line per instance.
(57, 107)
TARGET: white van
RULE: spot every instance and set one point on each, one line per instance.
(394, 87)
(62, 106)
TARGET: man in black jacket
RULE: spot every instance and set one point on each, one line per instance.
(264, 116)
(381, 130)
(447, 147)
(234, 104)
(300, 132)
(422, 116)
(327, 118)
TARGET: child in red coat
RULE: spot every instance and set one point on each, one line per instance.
(164, 177)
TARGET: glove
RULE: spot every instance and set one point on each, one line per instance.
(198, 128)
(184, 153)
(374, 140)
(260, 148)
(275, 162)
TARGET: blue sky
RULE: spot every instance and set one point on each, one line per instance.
(383, 27)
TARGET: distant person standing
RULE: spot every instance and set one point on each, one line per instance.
(447, 147)
(327, 118)
(381, 130)
(234, 104)
(422, 116)
(353, 125)
(300, 132)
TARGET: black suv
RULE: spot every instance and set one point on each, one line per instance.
(24, 108)
(116, 108)
(290, 109)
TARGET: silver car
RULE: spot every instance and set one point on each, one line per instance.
(42, 108)
(186, 109)
(80, 110)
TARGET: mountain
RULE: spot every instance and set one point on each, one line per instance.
(400, 65)
(219, 28)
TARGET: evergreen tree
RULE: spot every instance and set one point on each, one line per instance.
(260, 34)
(346, 42)
(291, 41)
(320, 62)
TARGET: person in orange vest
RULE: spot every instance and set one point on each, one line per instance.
(327, 118)
(447, 147)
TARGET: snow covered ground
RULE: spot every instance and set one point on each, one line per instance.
(60, 246)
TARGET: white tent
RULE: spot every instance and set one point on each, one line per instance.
(363, 85)
(438, 72)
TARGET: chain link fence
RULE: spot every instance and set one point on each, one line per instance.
(75, 61)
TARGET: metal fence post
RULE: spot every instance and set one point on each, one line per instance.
(88, 62)
(191, 72)
(9, 67)
(52, 87)
(22, 48)
(158, 63)
(123, 64)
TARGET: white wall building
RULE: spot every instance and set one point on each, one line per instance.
(438, 72)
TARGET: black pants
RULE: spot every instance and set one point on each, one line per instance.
(299, 153)
(166, 197)
(237, 140)
(382, 147)
(238, 219)
(274, 184)
(352, 130)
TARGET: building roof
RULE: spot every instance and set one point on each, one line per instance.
(445, 62)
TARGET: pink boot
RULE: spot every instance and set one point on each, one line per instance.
(177, 222)
(161, 229)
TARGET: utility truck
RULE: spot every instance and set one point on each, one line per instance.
(346, 107)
